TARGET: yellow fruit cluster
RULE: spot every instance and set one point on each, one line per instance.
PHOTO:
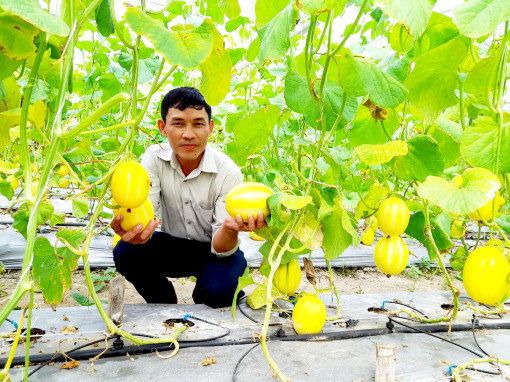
(130, 189)
(391, 253)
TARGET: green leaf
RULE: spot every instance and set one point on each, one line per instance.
(187, 48)
(104, 19)
(478, 80)
(400, 39)
(12, 100)
(440, 232)
(360, 76)
(478, 188)
(80, 206)
(16, 37)
(275, 35)
(365, 130)
(439, 31)
(7, 67)
(57, 218)
(20, 223)
(69, 259)
(252, 132)
(424, 158)
(147, 68)
(216, 72)
(245, 280)
(338, 233)
(48, 272)
(373, 155)
(266, 10)
(447, 134)
(110, 86)
(369, 204)
(258, 298)
(8, 119)
(31, 12)
(298, 98)
(81, 299)
(415, 14)
(317, 6)
(294, 202)
(433, 81)
(477, 18)
(479, 145)
(230, 8)
(6, 189)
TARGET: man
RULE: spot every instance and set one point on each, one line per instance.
(190, 181)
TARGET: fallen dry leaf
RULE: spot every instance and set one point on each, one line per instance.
(208, 361)
(64, 317)
(70, 364)
(69, 329)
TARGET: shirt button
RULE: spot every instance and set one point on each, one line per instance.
(189, 222)
(186, 202)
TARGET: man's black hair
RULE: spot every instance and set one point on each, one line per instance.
(182, 98)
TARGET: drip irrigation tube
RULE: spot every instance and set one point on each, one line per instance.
(337, 335)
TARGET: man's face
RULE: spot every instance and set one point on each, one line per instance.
(187, 132)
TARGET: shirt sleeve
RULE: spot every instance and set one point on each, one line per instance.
(220, 210)
(150, 163)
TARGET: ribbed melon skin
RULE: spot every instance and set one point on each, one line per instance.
(132, 216)
(248, 198)
(130, 184)
(391, 255)
(288, 277)
(393, 216)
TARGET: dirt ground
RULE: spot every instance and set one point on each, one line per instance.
(347, 281)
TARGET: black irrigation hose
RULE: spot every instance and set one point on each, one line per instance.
(407, 306)
(337, 335)
(251, 318)
(475, 321)
(391, 320)
(241, 359)
(57, 356)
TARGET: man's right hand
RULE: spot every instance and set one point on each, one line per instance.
(135, 235)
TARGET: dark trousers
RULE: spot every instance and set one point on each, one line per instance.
(148, 265)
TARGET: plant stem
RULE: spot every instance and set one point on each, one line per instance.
(457, 370)
(118, 31)
(338, 309)
(105, 107)
(29, 328)
(441, 262)
(269, 302)
(351, 30)
(461, 100)
(27, 94)
(5, 372)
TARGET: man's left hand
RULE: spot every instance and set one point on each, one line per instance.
(239, 225)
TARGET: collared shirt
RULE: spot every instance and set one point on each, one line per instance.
(191, 207)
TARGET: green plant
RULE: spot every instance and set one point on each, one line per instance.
(414, 273)
(100, 280)
(333, 125)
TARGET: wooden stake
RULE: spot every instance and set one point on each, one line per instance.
(386, 357)
(117, 286)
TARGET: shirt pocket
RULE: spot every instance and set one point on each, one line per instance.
(204, 219)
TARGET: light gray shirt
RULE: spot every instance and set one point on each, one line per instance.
(191, 207)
